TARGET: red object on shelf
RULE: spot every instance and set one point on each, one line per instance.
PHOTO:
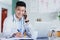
(4, 15)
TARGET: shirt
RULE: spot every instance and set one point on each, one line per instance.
(13, 25)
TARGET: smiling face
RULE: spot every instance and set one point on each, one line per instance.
(20, 11)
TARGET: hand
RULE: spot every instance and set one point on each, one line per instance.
(25, 34)
(18, 34)
(13, 35)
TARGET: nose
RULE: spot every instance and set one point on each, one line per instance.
(20, 12)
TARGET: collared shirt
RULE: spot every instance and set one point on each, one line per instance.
(13, 25)
(19, 24)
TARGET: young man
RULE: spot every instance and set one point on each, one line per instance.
(15, 25)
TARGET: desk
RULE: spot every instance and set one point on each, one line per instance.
(56, 38)
(16, 39)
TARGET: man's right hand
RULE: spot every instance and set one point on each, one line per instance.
(18, 34)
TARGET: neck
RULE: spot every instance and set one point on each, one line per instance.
(18, 17)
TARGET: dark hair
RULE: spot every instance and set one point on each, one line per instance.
(20, 3)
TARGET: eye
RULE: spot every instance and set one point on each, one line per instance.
(23, 10)
(18, 9)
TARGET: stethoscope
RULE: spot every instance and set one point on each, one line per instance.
(22, 23)
(22, 20)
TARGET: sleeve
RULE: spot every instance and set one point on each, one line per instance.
(4, 25)
(28, 30)
(31, 32)
(6, 28)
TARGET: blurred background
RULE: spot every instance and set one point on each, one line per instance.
(44, 15)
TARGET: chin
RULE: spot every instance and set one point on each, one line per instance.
(20, 17)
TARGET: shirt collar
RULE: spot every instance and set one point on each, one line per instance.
(18, 19)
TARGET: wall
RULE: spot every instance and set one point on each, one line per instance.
(42, 9)
(13, 6)
(9, 7)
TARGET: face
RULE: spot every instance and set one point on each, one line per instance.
(20, 11)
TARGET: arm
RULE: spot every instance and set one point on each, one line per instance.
(28, 30)
(5, 27)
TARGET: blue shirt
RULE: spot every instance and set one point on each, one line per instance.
(13, 25)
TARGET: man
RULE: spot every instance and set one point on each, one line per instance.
(16, 25)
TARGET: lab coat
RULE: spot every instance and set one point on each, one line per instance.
(12, 25)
